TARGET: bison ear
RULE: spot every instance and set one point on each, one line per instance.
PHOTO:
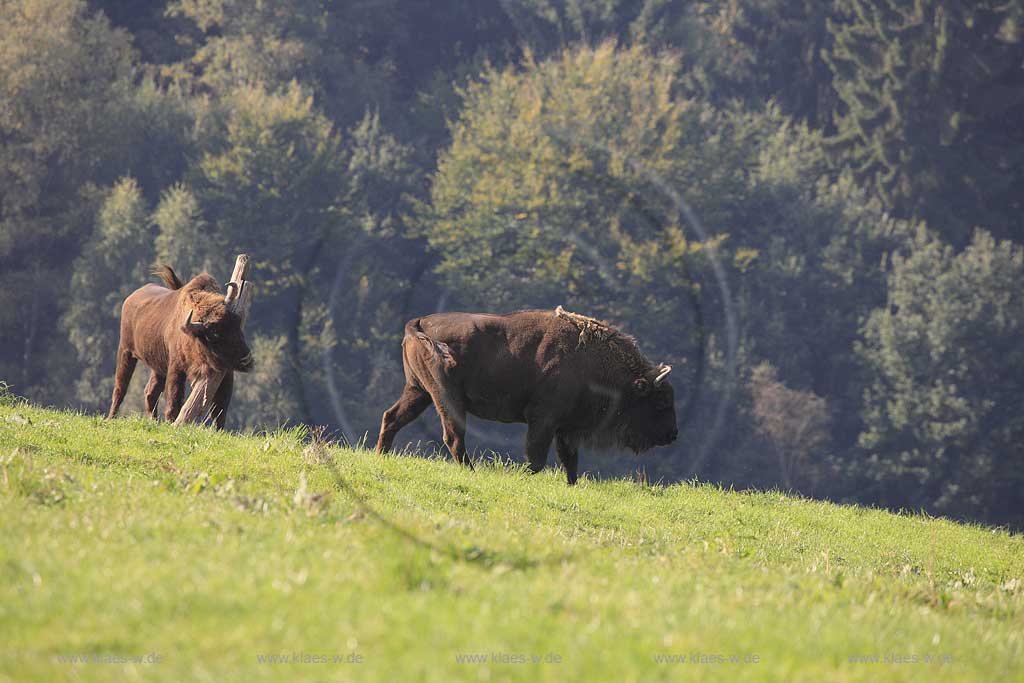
(642, 385)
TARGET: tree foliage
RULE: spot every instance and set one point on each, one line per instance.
(744, 185)
(54, 150)
(794, 423)
(577, 213)
(113, 261)
(946, 368)
(931, 93)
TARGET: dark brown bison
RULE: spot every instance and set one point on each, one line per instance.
(570, 378)
(179, 331)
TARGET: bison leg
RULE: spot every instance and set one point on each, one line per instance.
(407, 408)
(122, 377)
(222, 399)
(175, 394)
(569, 456)
(538, 441)
(154, 388)
(453, 421)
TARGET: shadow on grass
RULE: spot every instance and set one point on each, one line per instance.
(473, 555)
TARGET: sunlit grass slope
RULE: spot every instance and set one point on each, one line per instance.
(219, 557)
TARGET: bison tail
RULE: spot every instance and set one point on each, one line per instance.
(166, 273)
(438, 349)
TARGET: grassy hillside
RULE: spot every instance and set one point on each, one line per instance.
(211, 553)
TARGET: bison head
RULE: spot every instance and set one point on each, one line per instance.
(648, 412)
(219, 331)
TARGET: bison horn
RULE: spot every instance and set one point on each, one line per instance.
(231, 293)
(189, 326)
(663, 371)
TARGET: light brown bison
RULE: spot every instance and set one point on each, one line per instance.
(179, 331)
(570, 378)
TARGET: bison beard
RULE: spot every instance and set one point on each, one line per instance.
(572, 379)
(180, 332)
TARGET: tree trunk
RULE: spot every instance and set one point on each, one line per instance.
(784, 468)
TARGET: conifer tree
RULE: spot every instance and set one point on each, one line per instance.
(932, 94)
(942, 425)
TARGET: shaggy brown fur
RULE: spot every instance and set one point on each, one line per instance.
(595, 333)
(181, 331)
(570, 378)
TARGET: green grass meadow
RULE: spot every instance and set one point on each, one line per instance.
(131, 550)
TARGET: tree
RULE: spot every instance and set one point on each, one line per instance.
(538, 195)
(931, 92)
(262, 400)
(756, 51)
(353, 331)
(185, 241)
(157, 36)
(63, 83)
(115, 261)
(548, 26)
(550, 193)
(794, 423)
(270, 184)
(947, 371)
(321, 45)
(750, 51)
(554, 191)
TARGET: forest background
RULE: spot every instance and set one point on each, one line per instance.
(812, 210)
